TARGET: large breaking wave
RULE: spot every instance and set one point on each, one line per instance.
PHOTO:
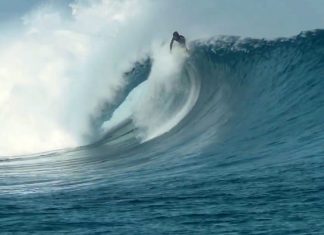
(70, 81)
(224, 86)
(237, 123)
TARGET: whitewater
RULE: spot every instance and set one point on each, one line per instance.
(105, 131)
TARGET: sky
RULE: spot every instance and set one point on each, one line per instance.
(256, 18)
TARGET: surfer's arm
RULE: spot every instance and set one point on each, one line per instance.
(171, 44)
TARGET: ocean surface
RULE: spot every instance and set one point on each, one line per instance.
(233, 143)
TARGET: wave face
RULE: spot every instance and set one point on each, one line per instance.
(230, 140)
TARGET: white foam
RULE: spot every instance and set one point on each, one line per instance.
(56, 70)
(153, 104)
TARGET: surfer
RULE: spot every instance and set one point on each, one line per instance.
(178, 38)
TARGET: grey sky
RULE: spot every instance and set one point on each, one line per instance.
(13, 10)
(260, 18)
(10, 10)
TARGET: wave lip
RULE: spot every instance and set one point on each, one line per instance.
(163, 100)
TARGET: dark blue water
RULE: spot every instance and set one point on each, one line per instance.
(247, 159)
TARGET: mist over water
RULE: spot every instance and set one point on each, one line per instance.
(58, 70)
